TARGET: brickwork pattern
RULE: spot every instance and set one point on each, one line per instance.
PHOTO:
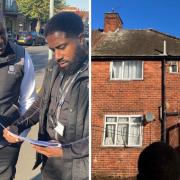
(126, 98)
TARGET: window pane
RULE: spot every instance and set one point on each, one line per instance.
(174, 68)
(122, 134)
(136, 119)
(132, 70)
(110, 134)
(123, 119)
(135, 71)
(117, 70)
(126, 70)
(111, 119)
(138, 69)
(134, 135)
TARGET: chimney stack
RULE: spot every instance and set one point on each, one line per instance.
(112, 22)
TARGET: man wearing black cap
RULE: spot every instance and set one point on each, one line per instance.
(63, 104)
(17, 93)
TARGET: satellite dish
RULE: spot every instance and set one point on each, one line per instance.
(149, 116)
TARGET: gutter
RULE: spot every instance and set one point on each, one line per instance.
(144, 58)
(168, 114)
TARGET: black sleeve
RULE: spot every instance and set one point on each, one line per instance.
(30, 118)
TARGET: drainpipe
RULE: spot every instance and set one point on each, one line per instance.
(163, 96)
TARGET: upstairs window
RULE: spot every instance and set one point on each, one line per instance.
(123, 131)
(10, 5)
(126, 70)
(173, 66)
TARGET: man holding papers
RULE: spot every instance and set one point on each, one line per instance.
(63, 103)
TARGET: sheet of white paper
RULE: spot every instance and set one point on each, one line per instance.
(36, 142)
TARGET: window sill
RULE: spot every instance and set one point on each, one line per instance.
(126, 79)
(106, 146)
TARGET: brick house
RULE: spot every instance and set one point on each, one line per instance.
(135, 94)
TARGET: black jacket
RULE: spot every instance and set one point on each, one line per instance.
(78, 119)
(11, 75)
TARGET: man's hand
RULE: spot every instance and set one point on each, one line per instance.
(49, 151)
(9, 137)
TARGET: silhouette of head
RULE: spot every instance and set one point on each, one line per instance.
(159, 161)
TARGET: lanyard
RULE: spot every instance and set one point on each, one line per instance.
(65, 90)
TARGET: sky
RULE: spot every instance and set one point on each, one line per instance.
(161, 15)
(82, 4)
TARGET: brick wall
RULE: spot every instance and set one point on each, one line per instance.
(125, 98)
(112, 22)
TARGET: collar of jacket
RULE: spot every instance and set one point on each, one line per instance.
(84, 68)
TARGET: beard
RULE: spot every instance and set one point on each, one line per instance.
(75, 64)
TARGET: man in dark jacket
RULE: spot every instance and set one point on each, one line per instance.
(17, 93)
(63, 104)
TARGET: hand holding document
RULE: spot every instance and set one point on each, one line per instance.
(36, 142)
(31, 141)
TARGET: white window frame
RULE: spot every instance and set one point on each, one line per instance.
(129, 123)
(170, 67)
(135, 79)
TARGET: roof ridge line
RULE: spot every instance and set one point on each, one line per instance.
(150, 29)
(171, 36)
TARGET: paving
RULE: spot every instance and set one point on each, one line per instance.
(27, 159)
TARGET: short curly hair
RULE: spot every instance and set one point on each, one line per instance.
(67, 22)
